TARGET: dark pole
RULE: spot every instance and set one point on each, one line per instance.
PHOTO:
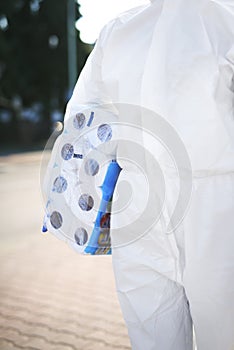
(71, 41)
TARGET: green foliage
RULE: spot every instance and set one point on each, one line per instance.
(29, 66)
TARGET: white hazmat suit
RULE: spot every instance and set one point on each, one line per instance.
(176, 58)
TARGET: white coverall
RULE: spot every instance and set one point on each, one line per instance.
(176, 57)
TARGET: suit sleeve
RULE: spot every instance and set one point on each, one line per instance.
(89, 89)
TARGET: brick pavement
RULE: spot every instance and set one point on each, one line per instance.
(50, 297)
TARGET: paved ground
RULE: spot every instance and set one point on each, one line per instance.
(50, 297)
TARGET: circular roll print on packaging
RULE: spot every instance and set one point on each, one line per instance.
(77, 205)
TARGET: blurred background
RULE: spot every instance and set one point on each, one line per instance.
(41, 56)
(50, 297)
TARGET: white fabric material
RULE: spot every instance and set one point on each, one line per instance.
(176, 57)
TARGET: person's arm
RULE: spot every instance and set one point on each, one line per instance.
(70, 156)
(89, 89)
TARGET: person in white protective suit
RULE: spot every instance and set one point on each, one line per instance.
(176, 58)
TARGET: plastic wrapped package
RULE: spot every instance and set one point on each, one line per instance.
(80, 181)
